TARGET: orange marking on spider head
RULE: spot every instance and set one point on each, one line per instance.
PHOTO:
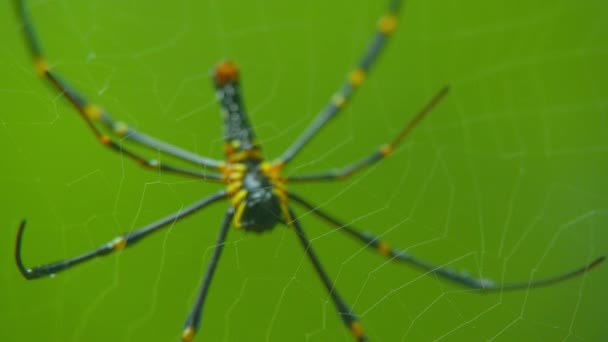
(188, 334)
(357, 329)
(225, 72)
(356, 77)
(388, 24)
(41, 66)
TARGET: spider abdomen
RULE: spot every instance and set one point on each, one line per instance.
(261, 208)
(257, 194)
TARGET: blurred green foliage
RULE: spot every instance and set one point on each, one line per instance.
(505, 179)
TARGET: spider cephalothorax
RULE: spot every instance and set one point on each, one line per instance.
(254, 185)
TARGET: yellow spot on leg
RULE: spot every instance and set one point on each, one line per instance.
(386, 150)
(104, 139)
(41, 66)
(339, 100)
(356, 77)
(92, 111)
(384, 248)
(120, 128)
(388, 24)
(153, 163)
(119, 243)
(188, 334)
(357, 329)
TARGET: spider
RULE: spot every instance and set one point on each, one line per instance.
(256, 189)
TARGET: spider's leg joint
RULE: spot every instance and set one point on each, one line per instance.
(356, 77)
(375, 242)
(153, 163)
(339, 100)
(92, 111)
(188, 334)
(41, 66)
(384, 248)
(104, 139)
(388, 24)
(120, 128)
(485, 283)
(357, 329)
(386, 150)
(119, 243)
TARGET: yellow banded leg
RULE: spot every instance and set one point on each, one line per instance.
(195, 316)
(381, 153)
(349, 318)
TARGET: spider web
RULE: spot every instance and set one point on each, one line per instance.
(505, 179)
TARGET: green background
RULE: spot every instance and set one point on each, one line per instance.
(505, 179)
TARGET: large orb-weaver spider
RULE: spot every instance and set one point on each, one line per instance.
(255, 187)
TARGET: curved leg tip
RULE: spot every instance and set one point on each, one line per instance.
(26, 272)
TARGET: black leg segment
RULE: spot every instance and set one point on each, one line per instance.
(193, 321)
(349, 318)
(117, 244)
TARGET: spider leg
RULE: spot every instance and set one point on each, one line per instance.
(116, 244)
(92, 113)
(376, 156)
(193, 321)
(349, 318)
(386, 27)
(464, 279)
